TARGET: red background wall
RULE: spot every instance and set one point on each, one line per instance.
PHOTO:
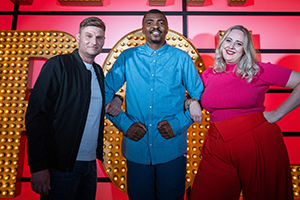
(274, 24)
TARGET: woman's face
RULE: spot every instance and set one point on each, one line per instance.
(233, 47)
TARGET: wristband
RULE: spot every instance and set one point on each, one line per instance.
(188, 103)
(119, 96)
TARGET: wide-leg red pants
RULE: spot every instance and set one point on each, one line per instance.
(246, 154)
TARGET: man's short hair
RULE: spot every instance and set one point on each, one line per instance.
(155, 11)
(92, 21)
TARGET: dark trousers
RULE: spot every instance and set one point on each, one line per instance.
(245, 153)
(80, 184)
(157, 182)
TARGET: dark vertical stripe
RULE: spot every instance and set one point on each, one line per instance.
(184, 18)
(15, 17)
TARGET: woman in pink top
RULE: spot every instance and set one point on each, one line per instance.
(244, 148)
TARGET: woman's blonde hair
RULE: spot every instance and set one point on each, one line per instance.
(246, 67)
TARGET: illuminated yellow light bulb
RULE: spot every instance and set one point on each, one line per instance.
(115, 178)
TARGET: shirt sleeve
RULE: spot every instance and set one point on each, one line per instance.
(114, 80)
(273, 74)
(194, 86)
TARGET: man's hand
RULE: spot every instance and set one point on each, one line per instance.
(165, 129)
(113, 108)
(40, 182)
(136, 131)
(196, 111)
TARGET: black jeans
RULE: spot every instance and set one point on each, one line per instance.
(80, 184)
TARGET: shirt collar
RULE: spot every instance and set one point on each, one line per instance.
(161, 50)
(88, 66)
(230, 67)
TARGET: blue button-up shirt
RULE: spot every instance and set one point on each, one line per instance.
(155, 91)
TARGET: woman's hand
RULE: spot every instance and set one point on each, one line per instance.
(195, 111)
(272, 116)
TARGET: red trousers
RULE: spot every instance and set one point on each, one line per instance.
(246, 154)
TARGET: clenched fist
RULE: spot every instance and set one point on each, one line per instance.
(165, 129)
(136, 131)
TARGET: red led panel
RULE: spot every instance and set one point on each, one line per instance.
(5, 22)
(6, 5)
(291, 121)
(292, 144)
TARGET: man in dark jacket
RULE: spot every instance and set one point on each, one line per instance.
(65, 120)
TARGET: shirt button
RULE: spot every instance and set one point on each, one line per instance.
(150, 106)
(150, 124)
(151, 89)
(150, 145)
(152, 74)
(153, 60)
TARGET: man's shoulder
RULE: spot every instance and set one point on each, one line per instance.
(62, 62)
(71, 55)
(177, 50)
(134, 49)
(67, 56)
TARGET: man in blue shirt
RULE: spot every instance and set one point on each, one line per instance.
(154, 123)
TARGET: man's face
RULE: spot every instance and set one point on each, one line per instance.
(155, 28)
(90, 40)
